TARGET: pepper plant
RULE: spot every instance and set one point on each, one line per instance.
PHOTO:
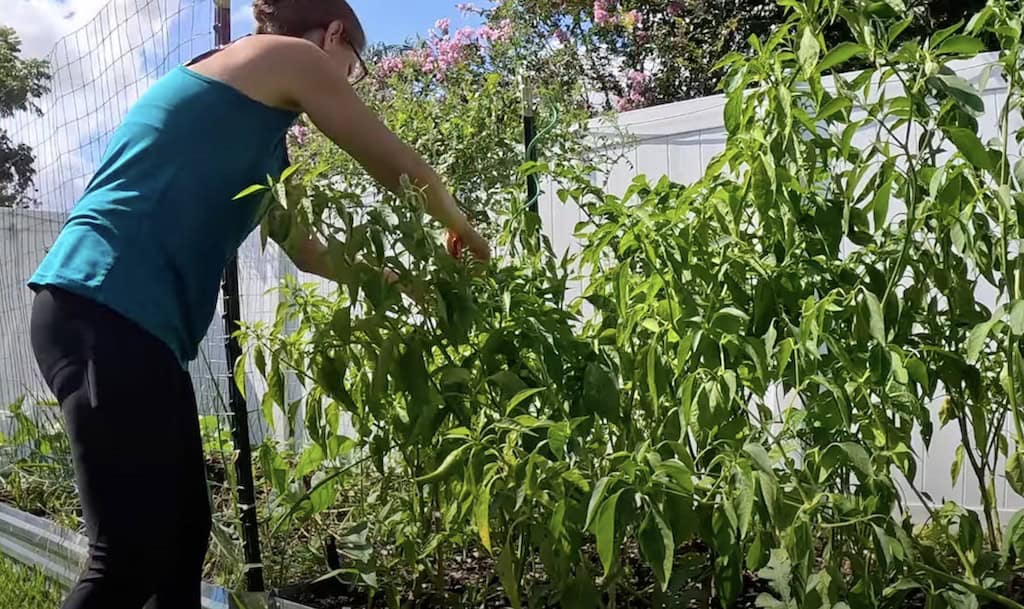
(740, 388)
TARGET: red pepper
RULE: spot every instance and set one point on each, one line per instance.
(454, 245)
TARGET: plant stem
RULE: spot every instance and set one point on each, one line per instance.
(979, 469)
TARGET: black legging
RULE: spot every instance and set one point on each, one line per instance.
(135, 439)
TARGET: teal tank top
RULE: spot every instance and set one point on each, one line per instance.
(157, 223)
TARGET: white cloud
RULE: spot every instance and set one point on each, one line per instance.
(103, 54)
(41, 23)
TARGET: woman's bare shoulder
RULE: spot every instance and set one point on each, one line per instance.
(270, 49)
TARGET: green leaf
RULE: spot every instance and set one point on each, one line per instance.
(962, 91)
(508, 381)
(580, 593)
(769, 488)
(918, 372)
(481, 515)
(240, 375)
(859, 459)
(600, 392)
(652, 371)
(558, 438)
(976, 340)
(958, 462)
(837, 104)
(880, 203)
(311, 459)
(455, 376)
(961, 45)
(267, 408)
(810, 50)
(960, 600)
(967, 142)
(904, 585)
(778, 573)
(605, 531)
(1017, 318)
(760, 457)
(507, 575)
(341, 324)
(447, 466)
(841, 54)
(676, 471)
(1013, 538)
(745, 504)
(898, 6)
(596, 499)
(730, 320)
(876, 319)
(251, 190)
(521, 397)
(884, 544)
(734, 112)
(785, 351)
(657, 546)
(1015, 471)
(287, 173)
(1018, 172)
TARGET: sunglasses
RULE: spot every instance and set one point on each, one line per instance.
(358, 72)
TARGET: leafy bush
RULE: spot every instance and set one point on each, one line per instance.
(739, 387)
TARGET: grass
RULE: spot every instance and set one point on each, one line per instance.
(26, 588)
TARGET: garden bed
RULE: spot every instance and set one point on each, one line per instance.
(46, 559)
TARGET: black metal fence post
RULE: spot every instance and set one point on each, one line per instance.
(530, 137)
(239, 409)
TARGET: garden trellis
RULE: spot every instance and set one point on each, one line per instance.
(98, 71)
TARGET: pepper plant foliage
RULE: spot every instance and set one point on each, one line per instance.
(739, 388)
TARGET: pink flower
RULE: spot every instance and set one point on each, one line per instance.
(501, 33)
(603, 13)
(675, 9)
(638, 82)
(443, 25)
(300, 133)
(465, 36)
(639, 91)
(390, 66)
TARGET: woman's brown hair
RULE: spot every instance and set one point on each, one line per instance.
(299, 17)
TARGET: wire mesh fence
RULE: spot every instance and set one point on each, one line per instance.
(98, 72)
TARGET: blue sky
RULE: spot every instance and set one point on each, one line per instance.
(388, 21)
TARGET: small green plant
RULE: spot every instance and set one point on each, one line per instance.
(26, 588)
(36, 473)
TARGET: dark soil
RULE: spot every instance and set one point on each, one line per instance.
(339, 595)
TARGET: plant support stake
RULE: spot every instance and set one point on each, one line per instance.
(530, 139)
(239, 409)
